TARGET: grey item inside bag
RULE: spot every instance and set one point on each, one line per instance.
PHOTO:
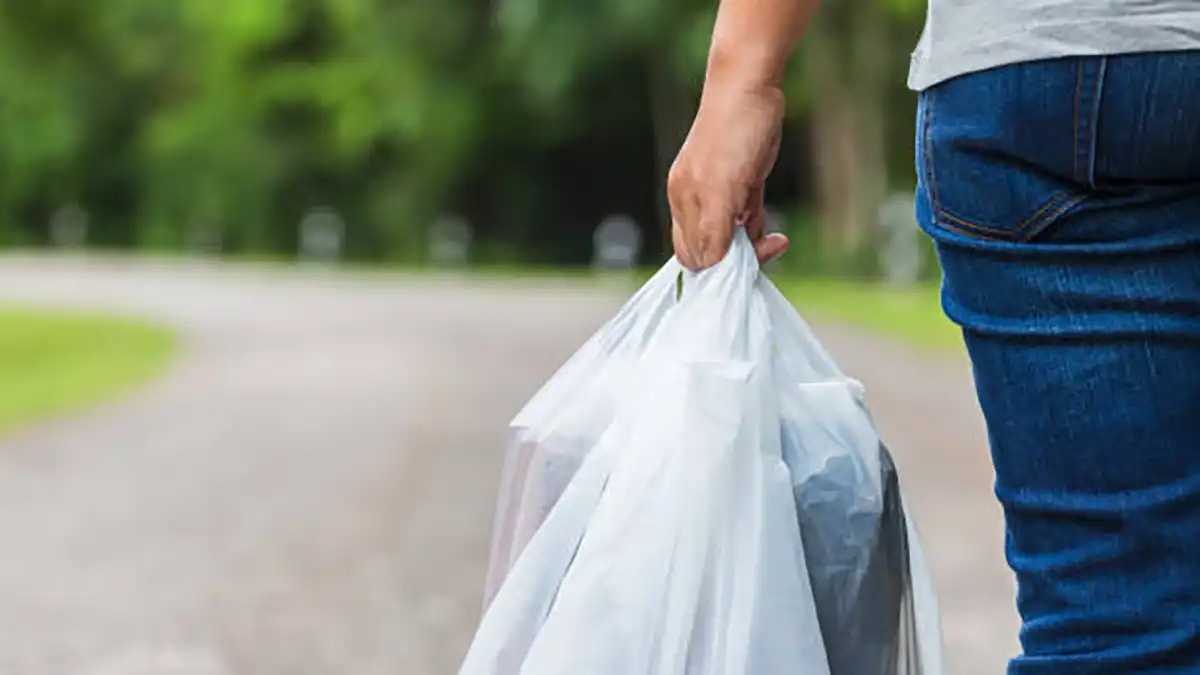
(863, 594)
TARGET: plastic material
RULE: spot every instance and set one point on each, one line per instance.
(700, 491)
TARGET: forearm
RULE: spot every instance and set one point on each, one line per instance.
(753, 39)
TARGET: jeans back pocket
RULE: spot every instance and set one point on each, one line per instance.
(1003, 154)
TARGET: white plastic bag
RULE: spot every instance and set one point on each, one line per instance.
(699, 491)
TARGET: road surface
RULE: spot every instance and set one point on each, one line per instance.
(308, 491)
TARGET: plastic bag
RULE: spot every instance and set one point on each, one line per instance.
(700, 491)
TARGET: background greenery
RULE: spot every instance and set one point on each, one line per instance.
(533, 119)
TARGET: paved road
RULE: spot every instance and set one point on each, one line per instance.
(309, 490)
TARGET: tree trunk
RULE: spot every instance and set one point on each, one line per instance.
(870, 86)
(833, 143)
(846, 65)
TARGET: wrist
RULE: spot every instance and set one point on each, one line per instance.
(739, 82)
(743, 68)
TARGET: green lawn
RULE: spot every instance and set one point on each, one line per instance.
(51, 362)
(913, 315)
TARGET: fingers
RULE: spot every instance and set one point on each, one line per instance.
(685, 213)
(683, 249)
(702, 230)
(703, 220)
(767, 248)
(702, 224)
(712, 238)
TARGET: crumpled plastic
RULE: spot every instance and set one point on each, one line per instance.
(699, 490)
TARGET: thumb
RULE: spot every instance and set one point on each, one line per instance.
(770, 247)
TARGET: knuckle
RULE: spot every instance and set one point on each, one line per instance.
(677, 181)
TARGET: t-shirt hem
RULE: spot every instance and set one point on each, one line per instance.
(962, 58)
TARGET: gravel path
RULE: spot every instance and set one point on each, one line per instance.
(309, 489)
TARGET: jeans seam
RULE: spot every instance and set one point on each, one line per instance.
(1076, 121)
(926, 144)
(1089, 81)
(1094, 121)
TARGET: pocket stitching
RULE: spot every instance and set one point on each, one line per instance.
(995, 231)
(965, 229)
(1023, 233)
(1017, 231)
(1035, 229)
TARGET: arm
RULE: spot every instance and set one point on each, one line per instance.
(717, 181)
(753, 39)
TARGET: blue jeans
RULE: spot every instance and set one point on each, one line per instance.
(1064, 200)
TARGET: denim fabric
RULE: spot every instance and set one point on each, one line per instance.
(1064, 200)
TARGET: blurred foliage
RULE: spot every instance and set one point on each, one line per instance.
(166, 119)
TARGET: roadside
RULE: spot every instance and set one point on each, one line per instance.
(310, 489)
(53, 362)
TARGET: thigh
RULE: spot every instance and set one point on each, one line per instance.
(1064, 199)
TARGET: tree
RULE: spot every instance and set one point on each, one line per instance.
(556, 43)
(847, 82)
(162, 116)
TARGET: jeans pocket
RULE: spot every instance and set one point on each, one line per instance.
(1004, 154)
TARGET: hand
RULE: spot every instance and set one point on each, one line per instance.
(717, 181)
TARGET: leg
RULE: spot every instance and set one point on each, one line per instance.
(1064, 198)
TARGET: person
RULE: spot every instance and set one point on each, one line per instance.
(1058, 173)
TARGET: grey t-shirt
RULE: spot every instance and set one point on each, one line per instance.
(964, 36)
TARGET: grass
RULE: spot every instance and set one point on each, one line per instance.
(55, 362)
(911, 315)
